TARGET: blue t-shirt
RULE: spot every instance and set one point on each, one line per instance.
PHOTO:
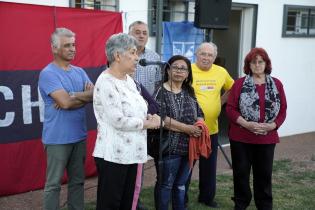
(62, 126)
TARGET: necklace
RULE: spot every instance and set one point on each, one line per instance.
(179, 102)
(173, 89)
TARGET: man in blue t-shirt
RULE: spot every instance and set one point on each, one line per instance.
(65, 90)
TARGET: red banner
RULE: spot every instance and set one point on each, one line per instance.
(24, 52)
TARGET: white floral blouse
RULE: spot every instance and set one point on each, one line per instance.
(119, 110)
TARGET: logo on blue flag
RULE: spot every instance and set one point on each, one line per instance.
(181, 38)
(186, 49)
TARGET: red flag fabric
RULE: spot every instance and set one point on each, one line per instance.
(24, 52)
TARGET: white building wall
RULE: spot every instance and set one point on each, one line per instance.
(133, 11)
(293, 63)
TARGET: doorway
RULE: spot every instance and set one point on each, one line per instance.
(233, 45)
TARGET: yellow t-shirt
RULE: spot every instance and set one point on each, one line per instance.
(208, 86)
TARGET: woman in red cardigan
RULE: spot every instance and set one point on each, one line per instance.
(256, 108)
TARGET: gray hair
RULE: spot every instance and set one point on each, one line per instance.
(138, 22)
(215, 48)
(119, 43)
(59, 32)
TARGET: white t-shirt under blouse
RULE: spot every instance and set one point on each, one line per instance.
(119, 110)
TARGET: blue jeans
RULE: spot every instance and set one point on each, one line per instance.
(175, 174)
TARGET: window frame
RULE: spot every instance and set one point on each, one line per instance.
(97, 5)
(168, 12)
(300, 8)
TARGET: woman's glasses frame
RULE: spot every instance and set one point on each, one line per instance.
(179, 69)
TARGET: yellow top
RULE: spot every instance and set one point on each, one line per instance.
(208, 86)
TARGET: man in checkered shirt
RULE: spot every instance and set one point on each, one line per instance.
(148, 76)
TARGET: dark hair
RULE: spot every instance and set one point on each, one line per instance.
(252, 55)
(187, 84)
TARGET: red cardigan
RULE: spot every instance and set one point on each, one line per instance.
(237, 132)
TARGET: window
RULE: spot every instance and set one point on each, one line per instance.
(173, 10)
(109, 5)
(298, 21)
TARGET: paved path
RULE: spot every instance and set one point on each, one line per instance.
(297, 148)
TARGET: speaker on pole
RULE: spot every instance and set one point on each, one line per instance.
(212, 14)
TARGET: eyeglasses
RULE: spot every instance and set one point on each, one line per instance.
(257, 62)
(179, 69)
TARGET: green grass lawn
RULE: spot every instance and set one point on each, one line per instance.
(293, 189)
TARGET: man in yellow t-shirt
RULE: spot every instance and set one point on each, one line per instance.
(208, 81)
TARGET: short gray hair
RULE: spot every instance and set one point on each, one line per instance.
(59, 32)
(208, 43)
(138, 22)
(119, 43)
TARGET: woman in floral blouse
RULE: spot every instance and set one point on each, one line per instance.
(122, 120)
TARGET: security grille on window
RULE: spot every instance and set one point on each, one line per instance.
(298, 21)
(173, 10)
(109, 5)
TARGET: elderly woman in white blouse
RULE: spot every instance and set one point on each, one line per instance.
(122, 120)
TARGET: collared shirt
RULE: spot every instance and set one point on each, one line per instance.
(150, 75)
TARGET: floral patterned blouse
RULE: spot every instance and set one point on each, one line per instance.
(119, 110)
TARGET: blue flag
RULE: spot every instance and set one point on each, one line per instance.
(181, 38)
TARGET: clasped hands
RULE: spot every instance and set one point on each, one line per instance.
(260, 128)
(193, 130)
(153, 122)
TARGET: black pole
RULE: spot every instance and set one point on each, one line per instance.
(224, 154)
(159, 28)
(208, 34)
(160, 159)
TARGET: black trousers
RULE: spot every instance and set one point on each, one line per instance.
(208, 173)
(116, 185)
(259, 158)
